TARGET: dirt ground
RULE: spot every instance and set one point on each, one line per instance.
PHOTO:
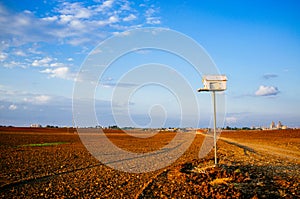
(53, 163)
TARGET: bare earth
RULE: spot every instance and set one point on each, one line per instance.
(252, 164)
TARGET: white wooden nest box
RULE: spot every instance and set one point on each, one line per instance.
(213, 83)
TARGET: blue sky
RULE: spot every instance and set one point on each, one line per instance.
(44, 43)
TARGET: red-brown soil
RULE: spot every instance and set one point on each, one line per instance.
(252, 164)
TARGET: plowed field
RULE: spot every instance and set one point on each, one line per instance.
(53, 163)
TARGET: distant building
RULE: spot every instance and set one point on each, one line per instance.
(279, 125)
(35, 125)
(284, 127)
(172, 129)
(272, 125)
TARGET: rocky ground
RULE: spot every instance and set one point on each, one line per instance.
(252, 164)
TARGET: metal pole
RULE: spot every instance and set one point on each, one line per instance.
(215, 126)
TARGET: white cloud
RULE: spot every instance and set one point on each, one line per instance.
(153, 20)
(42, 62)
(27, 11)
(13, 64)
(68, 22)
(150, 16)
(25, 34)
(42, 98)
(78, 41)
(3, 56)
(150, 12)
(22, 27)
(266, 91)
(96, 51)
(57, 64)
(83, 13)
(33, 50)
(4, 44)
(113, 19)
(109, 21)
(18, 97)
(70, 59)
(4, 93)
(12, 107)
(130, 17)
(62, 72)
(77, 24)
(39, 99)
(75, 9)
(105, 5)
(231, 120)
(65, 18)
(126, 6)
(50, 19)
(20, 53)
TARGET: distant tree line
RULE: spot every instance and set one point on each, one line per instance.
(50, 126)
(6, 126)
(242, 128)
(113, 127)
